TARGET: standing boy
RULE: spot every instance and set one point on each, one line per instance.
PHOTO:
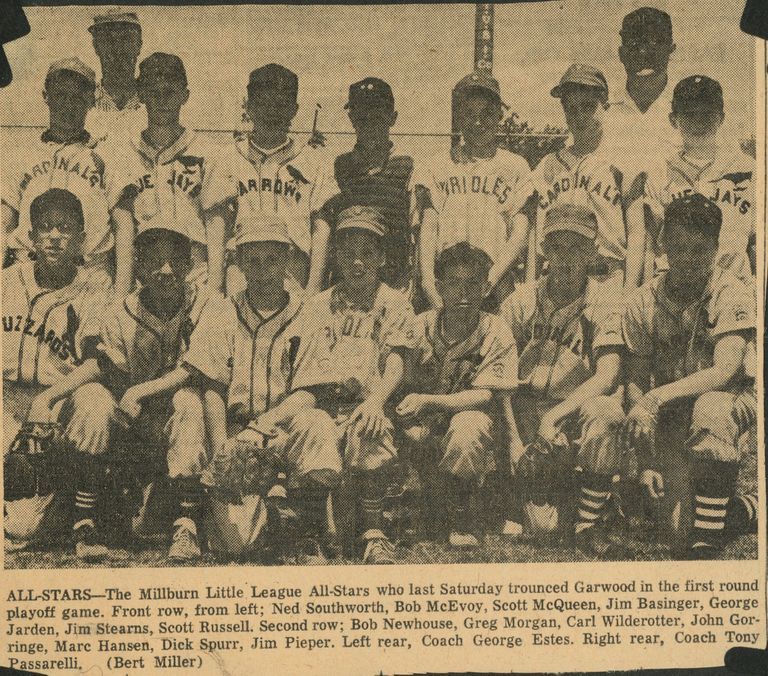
(465, 359)
(569, 341)
(475, 192)
(686, 333)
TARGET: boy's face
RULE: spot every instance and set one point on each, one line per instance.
(359, 257)
(645, 51)
(163, 99)
(162, 266)
(463, 288)
(118, 47)
(69, 98)
(57, 238)
(272, 109)
(570, 257)
(583, 108)
(478, 117)
(696, 124)
(372, 121)
(690, 255)
(263, 263)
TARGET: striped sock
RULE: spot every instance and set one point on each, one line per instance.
(190, 498)
(85, 504)
(713, 486)
(593, 496)
(459, 497)
(89, 484)
(372, 503)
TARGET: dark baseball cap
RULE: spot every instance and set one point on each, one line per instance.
(695, 212)
(370, 93)
(480, 80)
(647, 19)
(162, 67)
(697, 92)
(583, 75)
(274, 76)
(115, 16)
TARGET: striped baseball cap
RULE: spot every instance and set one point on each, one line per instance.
(572, 218)
(73, 65)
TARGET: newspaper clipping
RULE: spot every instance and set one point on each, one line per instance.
(383, 339)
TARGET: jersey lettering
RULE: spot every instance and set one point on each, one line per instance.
(461, 185)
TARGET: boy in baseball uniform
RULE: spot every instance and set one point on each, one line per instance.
(354, 338)
(275, 171)
(721, 172)
(130, 403)
(686, 334)
(476, 192)
(245, 347)
(51, 321)
(174, 174)
(465, 359)
(66, 156)
(587, 172)
(569, 341)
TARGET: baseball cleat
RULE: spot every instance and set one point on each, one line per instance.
(379, 552)
(594, 542)
(701, 551)
(89, 543)
(512, 529)
(463, 540)
(184, 546)
(309, 553)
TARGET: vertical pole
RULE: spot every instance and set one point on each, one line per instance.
(484, 36)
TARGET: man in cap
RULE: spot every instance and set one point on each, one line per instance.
(475, 192)
(569, 343)
(174, 173)
(587, 172)
(274, 171)
(117, 43)
(66, 156)
(375, 174)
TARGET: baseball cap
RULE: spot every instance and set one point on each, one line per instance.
(572, 218)
(159, 223)
(161, 66)
(274, 76)
(647, 19)
(73, 65)
(113, 16)
(694, 210)
(581, 74)
(480, 80)
(258, 226)
(696, 92)
(370, 93)
(362, 218)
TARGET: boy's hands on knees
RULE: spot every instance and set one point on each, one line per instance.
(641, 421)
(549, 430)
(130, 404)
(413, 405)
(653, 482)
(745, 410)
(370, 418)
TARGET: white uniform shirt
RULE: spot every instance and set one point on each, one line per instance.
(107, 122)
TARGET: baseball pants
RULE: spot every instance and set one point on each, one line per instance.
(468, 446)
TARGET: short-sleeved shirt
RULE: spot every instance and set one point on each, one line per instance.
(295, 181)
(250, 354)
(558, 346)
(80, 167)
(347, 345)
(594, 180)
(144, 347)
(45, 330)
(181, 182)
(475, 199)
(680, 339)
(727, 181)
(106, 121)
(487, 358)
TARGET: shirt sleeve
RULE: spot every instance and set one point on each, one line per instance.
(520, 182)
(423, 180)
(636, 320)
(325, 187)
(112, 344)
(652, 191)
(11, 181)
(210, 347)
(498, 370)
(606, 320)
(732, 308)
(218, 184)
(517, 310)
(399, 326)
(313, 365)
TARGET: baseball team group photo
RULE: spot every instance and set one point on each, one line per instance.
(431, 292)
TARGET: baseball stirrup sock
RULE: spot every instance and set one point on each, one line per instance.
(713, 484)
(459, 496)
(89, 484)
(313, 502)
(593, 496)
(190, 497)
(372, 503)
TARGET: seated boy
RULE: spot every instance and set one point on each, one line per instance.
(465, 357)
(143, 338)
(244, 346)
(51, 320)
(686, 333)
(569, 342)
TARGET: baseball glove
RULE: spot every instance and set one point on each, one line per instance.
(35, 460)
(540, 468)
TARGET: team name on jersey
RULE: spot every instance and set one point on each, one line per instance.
(63, 346)
(720, 196)
(289, 189)
(607, 191)
(188, 180)
(93, 174)
(480, 185)
(575, 341)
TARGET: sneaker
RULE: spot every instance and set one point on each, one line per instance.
(459, 540)
(89, 543)
(594, 542)
(184, 546)
(379, 551)
(309, 553)
(512, 530)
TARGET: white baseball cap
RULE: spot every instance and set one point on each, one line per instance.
(259, 226)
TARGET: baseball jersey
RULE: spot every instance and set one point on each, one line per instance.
(250, 354)
(294, 180)
(680, 339)
(487, 358)
(347, 345)
(79, 167)
(106, 121)
(557, 346)
(727, 181)
(182, 182)
(143, 346)
(45, 330)
(475, 199)
(594, 180)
